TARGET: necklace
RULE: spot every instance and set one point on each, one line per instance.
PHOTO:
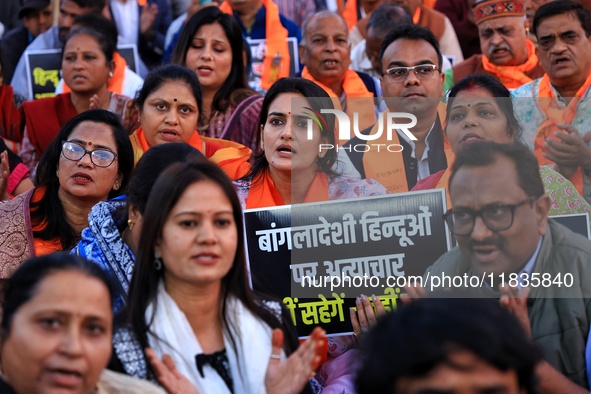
(206, 127)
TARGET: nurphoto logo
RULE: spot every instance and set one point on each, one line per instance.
(390, 122)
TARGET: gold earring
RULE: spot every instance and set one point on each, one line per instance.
(130, 224)
(116, 186)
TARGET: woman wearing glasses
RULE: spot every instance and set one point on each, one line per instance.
(90, 160)
(479, 108)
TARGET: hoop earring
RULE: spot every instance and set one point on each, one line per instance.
(157, 261)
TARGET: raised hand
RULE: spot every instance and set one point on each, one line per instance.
(570, 151)
(149, 12)
(169, 377)
(365, 316)
(4, 174)
(291, 375)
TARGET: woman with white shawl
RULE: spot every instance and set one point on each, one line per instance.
(190, 302)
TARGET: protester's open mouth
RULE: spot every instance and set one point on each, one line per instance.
(562, 60)
(206, 258)
(471, 137)
(82, 178)
(285, 150)
(330, 63)
(169, 134)
(65, 378)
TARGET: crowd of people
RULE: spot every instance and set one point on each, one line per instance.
(124, 266)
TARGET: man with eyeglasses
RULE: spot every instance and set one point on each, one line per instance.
(500, 220)
(410, 62)
(507, 53)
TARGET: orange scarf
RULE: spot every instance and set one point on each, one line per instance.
(554, 115)
(232, 157)
(350, 13)
(354, 87)
(513, 76)
(114, 83)
(277, 61)
(388, 167)
(384, 166)
(263, 192)
(416, 17)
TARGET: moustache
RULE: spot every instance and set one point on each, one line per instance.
(493, 48)
(498, 243)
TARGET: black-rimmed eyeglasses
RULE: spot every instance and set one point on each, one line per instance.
(99, 157)
(422, 71)
(497, 217)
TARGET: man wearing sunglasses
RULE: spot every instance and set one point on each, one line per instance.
(500, 220)
(412, 81)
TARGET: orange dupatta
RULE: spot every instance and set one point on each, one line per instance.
(277, 61)
(386, 167)
(513, 76)
(354, 87)
(114, 83)
(232, 157)
(547, 102)
(263, 192)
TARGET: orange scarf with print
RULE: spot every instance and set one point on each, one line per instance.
(114, 83)
(232, 157)
(513, 76)
(354, 87)
(263, 192)
(388, 167)
(547, 102)
(277, 60)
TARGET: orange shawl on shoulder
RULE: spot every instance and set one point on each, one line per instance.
(263, 192)
(231, 156)
(547, 102)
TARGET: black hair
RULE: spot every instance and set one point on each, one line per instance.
(235, 87)
(318, 100)
(554, 8)
(169, 73)
(411, 32)
(49, 209)
(486, 153)
(107, 46)
(387, 16)
(22, 285)
(94, 5)
(99, 23)
(500, 93)
(423, 334)
(166, 192)
(150, 166)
